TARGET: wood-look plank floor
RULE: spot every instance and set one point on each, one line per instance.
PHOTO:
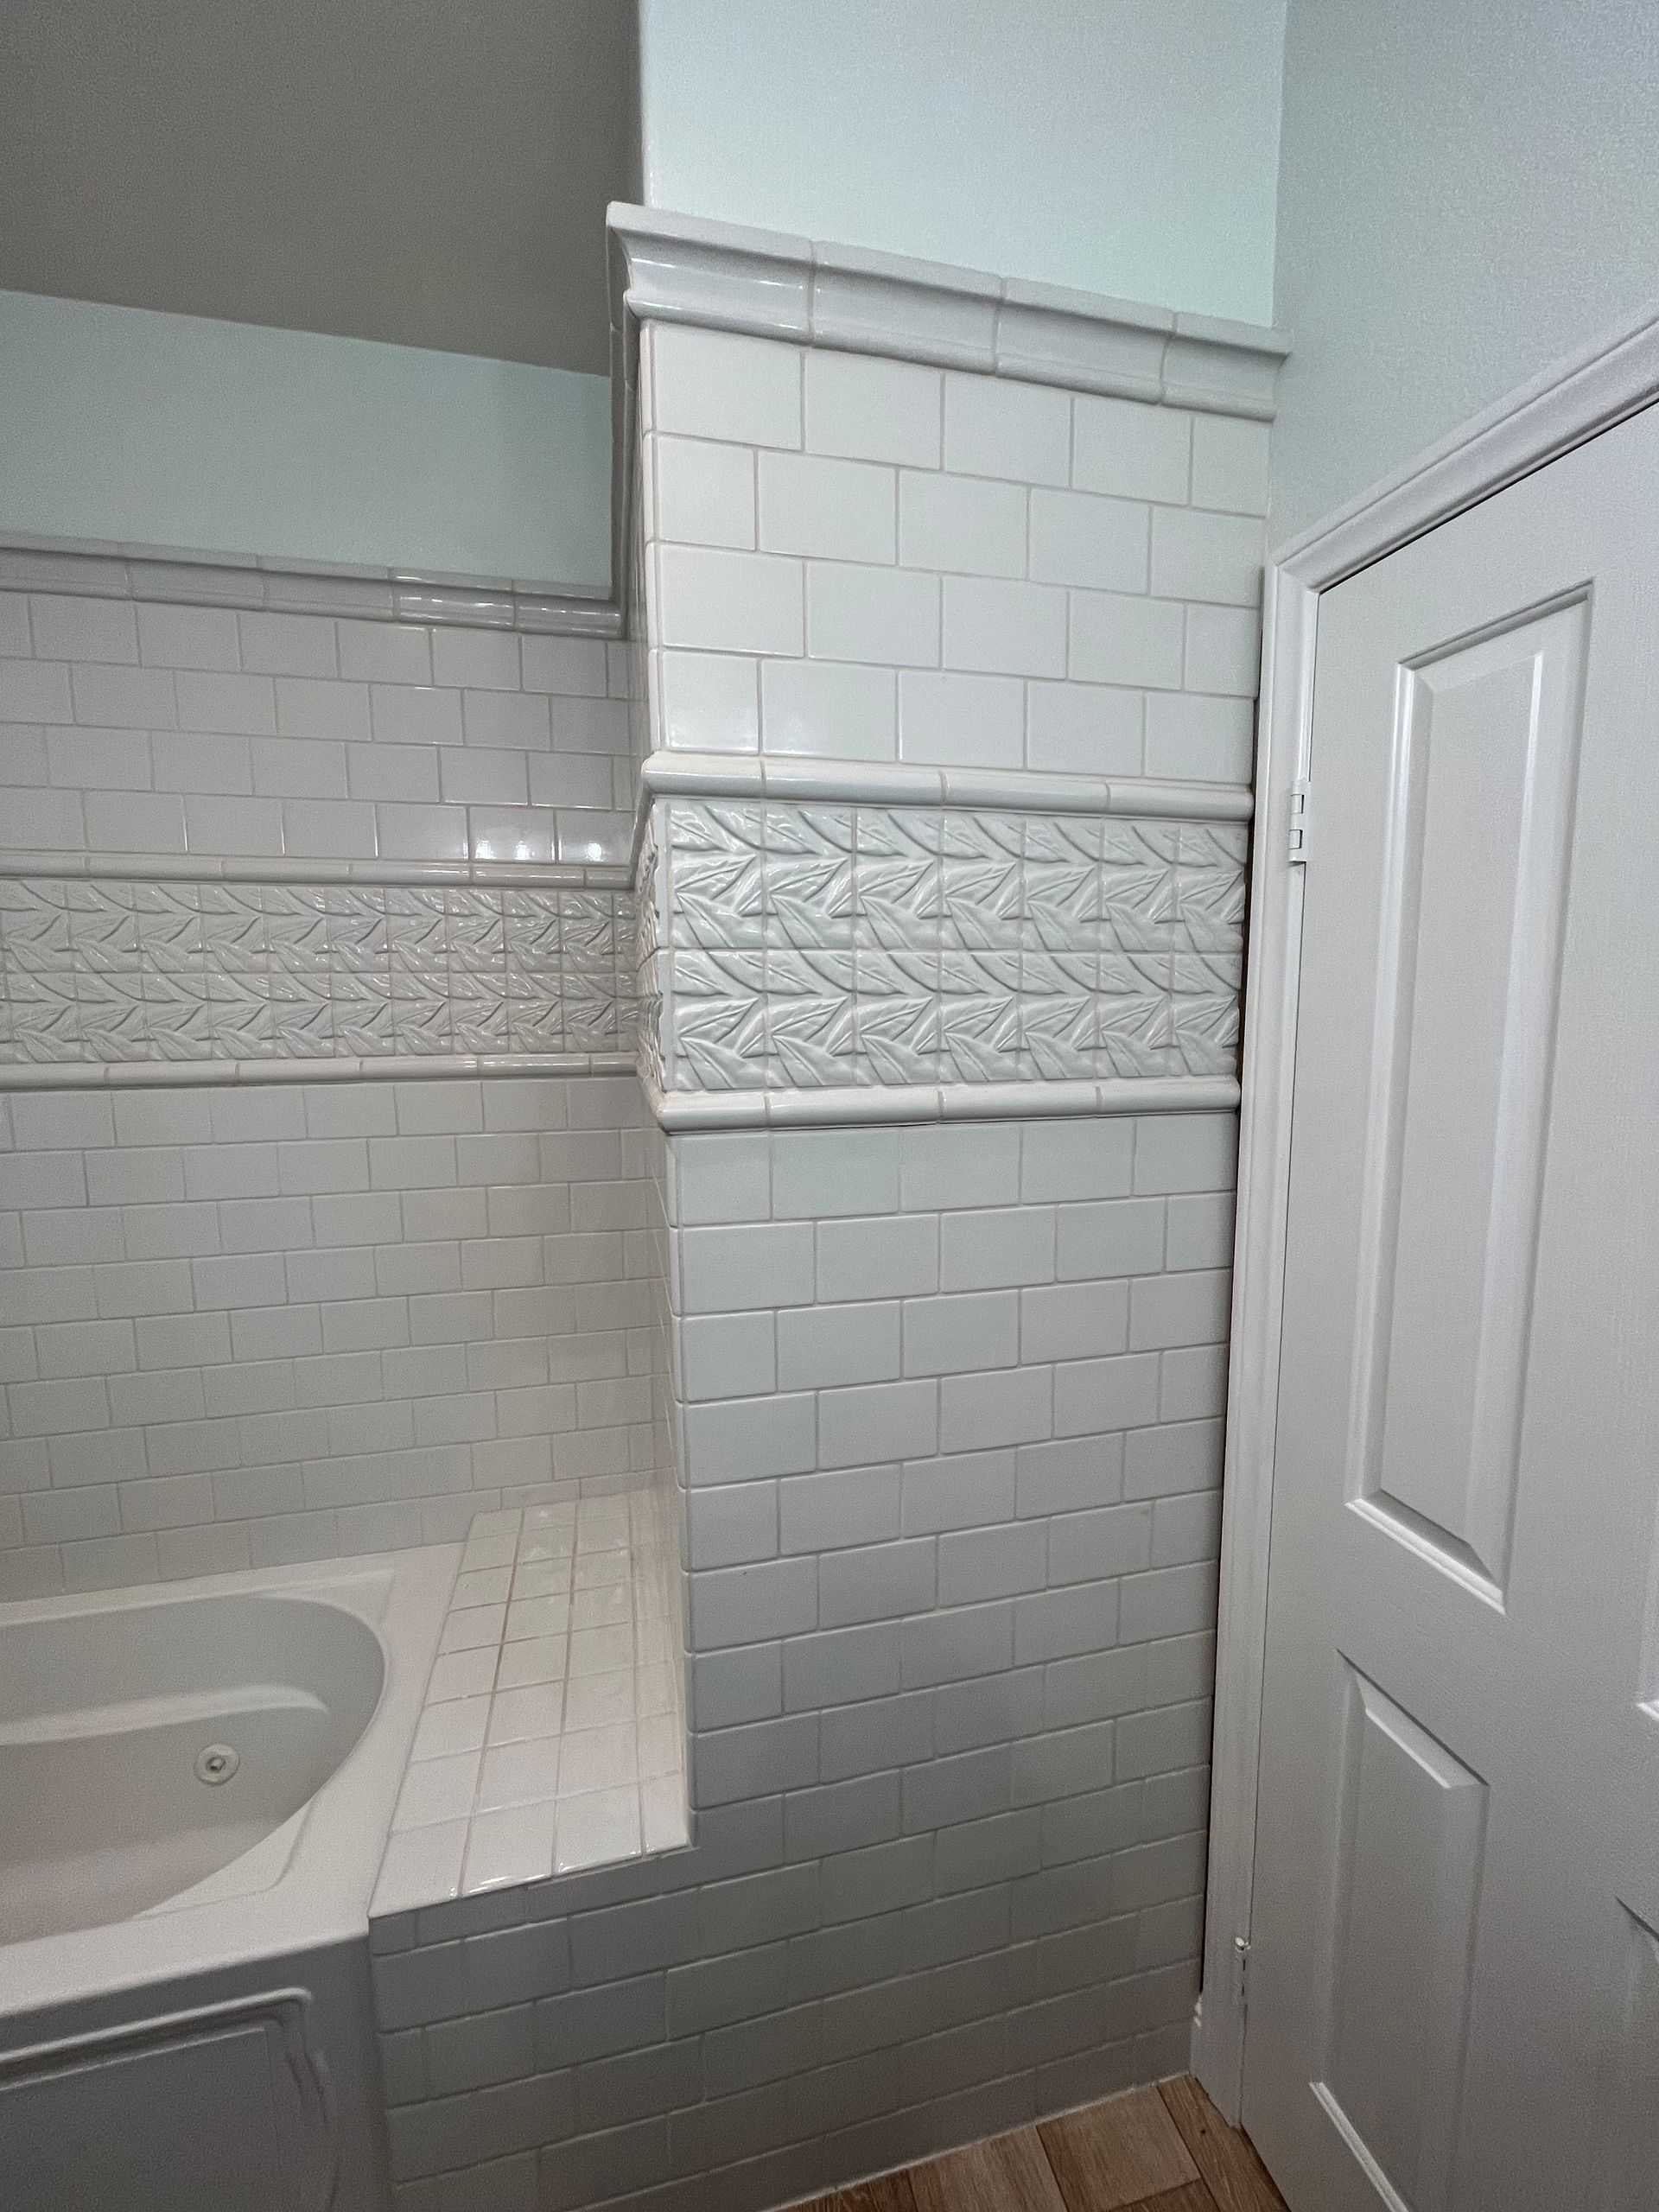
(1162, 2149)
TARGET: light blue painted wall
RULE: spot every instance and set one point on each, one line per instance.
(1470, 189)
(1126, 146)
(175, 430)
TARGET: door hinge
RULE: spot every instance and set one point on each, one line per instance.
(1299, 817)
(1241, 1972)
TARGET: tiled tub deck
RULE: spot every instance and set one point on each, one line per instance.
(551, 1739)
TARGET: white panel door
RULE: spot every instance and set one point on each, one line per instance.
(1454, 1972)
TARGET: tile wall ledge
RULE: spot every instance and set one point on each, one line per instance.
(399, 1067)
(1014, 791)
(680, 1112)
(477, 1847)
(726, 277)
(253, 583)
(195, 868)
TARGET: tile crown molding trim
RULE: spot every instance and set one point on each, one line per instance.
(679, 1112)
(808, 292)
(254, 583)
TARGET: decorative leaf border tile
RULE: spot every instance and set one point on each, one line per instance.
(118, 971)
(828, 947)
(767, 945)
(649, 959)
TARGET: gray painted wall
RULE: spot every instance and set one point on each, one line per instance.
(405, 170)
(1468, 190)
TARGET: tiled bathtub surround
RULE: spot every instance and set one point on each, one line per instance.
(241, 1325)
(947, 1399)
(945, 1402)
(948, 1407)
(109, 971)
(819, 946)
(553, 1736)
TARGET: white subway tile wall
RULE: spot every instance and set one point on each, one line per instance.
(134, 730)
(948, 1404)
(1052, 571)
(245, 1324)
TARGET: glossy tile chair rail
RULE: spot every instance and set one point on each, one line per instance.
(177, 575)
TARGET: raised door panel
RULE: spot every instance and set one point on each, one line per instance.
(1411, 1833)
(1476, 840)
(1630, 2182)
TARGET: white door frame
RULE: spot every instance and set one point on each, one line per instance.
(1612, 378)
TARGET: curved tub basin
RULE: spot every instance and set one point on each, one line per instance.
(198, 1772)
(144, 1748)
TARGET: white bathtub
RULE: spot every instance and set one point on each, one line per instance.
(196, 1782)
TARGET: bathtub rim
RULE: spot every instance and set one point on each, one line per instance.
(322, 1895)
